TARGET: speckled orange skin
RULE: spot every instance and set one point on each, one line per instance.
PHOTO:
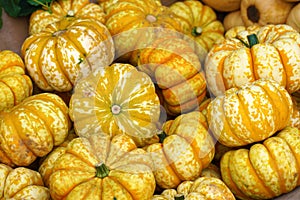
(15, 85)
(203, 188)
(194, 15)
(277, 56)
(65, 51)
(249, 114)
(187, 149)
(175, 67)
(61, 9)
(267, 169)
(71, 171)
(21, 183)
(32, 128)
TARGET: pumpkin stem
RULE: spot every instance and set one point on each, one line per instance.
(101, 170)
(116, 109)
(196, 31)
(162, 135)
(179, 197)
(252, 39)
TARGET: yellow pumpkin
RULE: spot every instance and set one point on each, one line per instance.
(65, 51)
(199, 22)
(100, 167)
(249, 114)
(267, 169)
(21, 183)
(116, 99)
(134, 23)
(270, 52)
(15, 85)
(175, 67)
(184, 150)
(32, 128)
(203, 188)
(212, 170)
(58, 10)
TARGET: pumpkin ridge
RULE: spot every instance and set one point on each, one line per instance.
(11, 90)
(119, 183)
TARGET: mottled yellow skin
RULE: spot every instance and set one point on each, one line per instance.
(249, 114)
(176, 68)
(32, 128)
(267, 169)
(65, 51)
(193, 16)
(21, 183)
(119, 86)
(231, 63)
(61, 9)
(15, 85)
(203, 188)
(187, 149)
(70, 171)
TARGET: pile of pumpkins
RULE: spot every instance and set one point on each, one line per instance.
(140, 100)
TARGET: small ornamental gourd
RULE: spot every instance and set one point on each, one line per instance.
(60, 9)
(249, 114)
(293, 17)
(135, 23)
(65, 51)
(15, 85)
(267, 169)
(271, 52)
(32, 128)
(116, 99)
(203, 188)
(184, 150)
(175, 67)
(199, 22)
(22, 183)
(99, 167)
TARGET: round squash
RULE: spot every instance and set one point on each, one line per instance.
(135, 23)
(65, 51)
(223, 5)
(32, 128)
(15, 85)
(232, 19)
(267, 169)
(203, 188)
(184, 150)
(116, 99)
(100, 167)
(175, 67)
(249, 114)
(21, 183)
(273, 51)
(60, 9)
(264, 12)
(199, 22)
(293, 18)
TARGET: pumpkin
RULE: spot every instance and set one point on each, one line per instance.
(100, 167)
(232, 19)
(270, 52)
(203, 188)
(223, 5)
(264, 12)
(21, 183)
(211, 170)
(175, 67)
(58, 10)
(116, 99)
(293, 18)
(106, 4)
(15, 85)
(184, 149)
(249, 114)
(65, 51)
(135, 23)
(267, 169)
(32, 128)
(199, 22)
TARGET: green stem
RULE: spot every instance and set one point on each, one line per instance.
(162, 135)
(102, 171)
(47, 6)
(252, 39)
(196, 31)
